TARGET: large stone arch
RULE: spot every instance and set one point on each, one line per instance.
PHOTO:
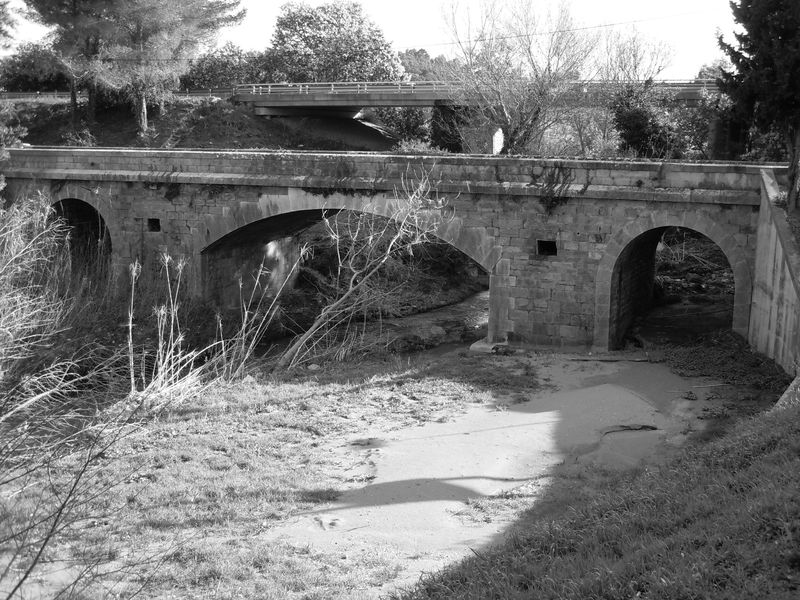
(739, 258)
(475, 242)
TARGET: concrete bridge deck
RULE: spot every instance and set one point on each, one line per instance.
(277, 98)
(568, 270)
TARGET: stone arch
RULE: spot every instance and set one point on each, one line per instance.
(85, 220)
(100, 204)
(90, 243)
(234, 238)
(724, 237)
(475, 242)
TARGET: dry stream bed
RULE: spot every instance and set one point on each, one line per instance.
(350, 480)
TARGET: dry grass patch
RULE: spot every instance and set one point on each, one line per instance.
(206, 481)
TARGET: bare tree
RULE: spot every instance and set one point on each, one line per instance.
(365, 242)
(628, 57)
(623, 62)
(516, 66)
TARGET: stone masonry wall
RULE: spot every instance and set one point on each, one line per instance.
(632, 284)
(550, 271)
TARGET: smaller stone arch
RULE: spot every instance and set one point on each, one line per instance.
(645, 230)
(89, 238)
(101, 203)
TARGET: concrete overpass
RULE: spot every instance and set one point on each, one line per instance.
(572, 270)
(348, 98)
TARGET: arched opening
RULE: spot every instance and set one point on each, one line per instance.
(416, 278)
(668, 285)
(89, 239)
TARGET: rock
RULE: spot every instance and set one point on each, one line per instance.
(502, 350)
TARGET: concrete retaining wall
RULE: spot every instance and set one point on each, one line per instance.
(775, 313)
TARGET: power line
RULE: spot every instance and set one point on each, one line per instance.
(555, 31)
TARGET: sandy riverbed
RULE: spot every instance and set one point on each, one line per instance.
(412, 484)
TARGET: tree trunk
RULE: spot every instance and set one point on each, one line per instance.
(141, 114)
(73, 104)
(91, 103)
(793, 203)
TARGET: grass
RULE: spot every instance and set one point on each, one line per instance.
(207, 481)
(202, 488)
(182, 502)
(722, 521)
(198, 492)
(184, 123)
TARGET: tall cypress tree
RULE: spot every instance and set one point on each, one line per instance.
(765, 85)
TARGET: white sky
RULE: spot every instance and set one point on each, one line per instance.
(688, 26)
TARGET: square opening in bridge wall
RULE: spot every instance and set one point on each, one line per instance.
(153, 224)
(546, 248)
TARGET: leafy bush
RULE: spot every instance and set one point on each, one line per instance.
(33, 67)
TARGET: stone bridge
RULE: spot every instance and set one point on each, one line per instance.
(568, 265)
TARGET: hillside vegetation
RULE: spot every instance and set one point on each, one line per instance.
(197, 123)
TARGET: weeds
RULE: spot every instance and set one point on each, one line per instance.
(365, 244)
(257, 312)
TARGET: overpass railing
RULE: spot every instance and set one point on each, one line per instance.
(347, 87)
(443, 87)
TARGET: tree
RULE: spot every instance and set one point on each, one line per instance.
(365, 245)
(222, 67)
(9, 134)
(622, 69)
(81, 29)
(152, 40)
(6, 22)
(407, 123)
(33, 67)
(333, 42)
(516, 66)
(646, 123)
(764, 84)
(714, 69)
(419, 66)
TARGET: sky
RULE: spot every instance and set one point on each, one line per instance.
(689, 27)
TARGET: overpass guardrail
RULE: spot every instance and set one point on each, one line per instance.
(444, 87)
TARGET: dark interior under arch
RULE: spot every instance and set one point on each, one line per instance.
(432, 275)
(89, 239)
(669, 284)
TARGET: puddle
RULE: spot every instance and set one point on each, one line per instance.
(368, 443)
(626, 448)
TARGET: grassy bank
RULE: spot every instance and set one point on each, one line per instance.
(722, 521)
(189, 499)
(195, 123)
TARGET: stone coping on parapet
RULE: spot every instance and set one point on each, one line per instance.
(621, 163)
(320, 184)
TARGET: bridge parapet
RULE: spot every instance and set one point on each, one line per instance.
(515, 176)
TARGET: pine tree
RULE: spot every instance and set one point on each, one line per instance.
(765, 85)
(153, 40)
(81, 28)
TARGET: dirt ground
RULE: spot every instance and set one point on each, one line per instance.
(429, 495)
